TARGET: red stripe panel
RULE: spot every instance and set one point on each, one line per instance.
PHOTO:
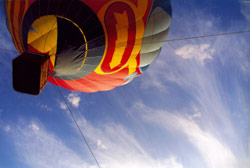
(93, 82)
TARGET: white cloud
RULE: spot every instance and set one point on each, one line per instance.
(63, 106)
(196, 112)
(46, 107)
(171, 162)
(196, 115)
(41, 149)
(200, 53)
(34, 127)
(169, 68)
(245, 10)
(157, 75)
(214, 152)
(122, 150)
(6, 128)
(74, 99)
(101, 145)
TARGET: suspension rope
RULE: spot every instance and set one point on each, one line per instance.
(210, 35)
(177, 39)
(79, 129)
(170, 40)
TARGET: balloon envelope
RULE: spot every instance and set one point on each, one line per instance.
(93, 45)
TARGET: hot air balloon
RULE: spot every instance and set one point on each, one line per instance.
(84, 45)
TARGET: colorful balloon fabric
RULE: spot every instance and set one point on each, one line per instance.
(94, 45)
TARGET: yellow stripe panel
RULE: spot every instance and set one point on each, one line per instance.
(52, 54)
(45, 42)
(122, 35)
(43, 37)
(42, 26)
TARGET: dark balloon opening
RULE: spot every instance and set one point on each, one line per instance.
(71, 47)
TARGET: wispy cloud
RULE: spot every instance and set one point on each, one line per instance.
(214, 152)
(62, 105)
(4, 127)
(45, 107)
(245, 9)
(210, 71)
(116, 147)
(36, 147)
(215, 134)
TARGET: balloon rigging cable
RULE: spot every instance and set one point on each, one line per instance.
(74, 119)
(170, 40)
(207, 36)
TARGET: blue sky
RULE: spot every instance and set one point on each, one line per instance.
(190, 109)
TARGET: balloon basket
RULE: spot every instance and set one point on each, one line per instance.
(30, 72)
